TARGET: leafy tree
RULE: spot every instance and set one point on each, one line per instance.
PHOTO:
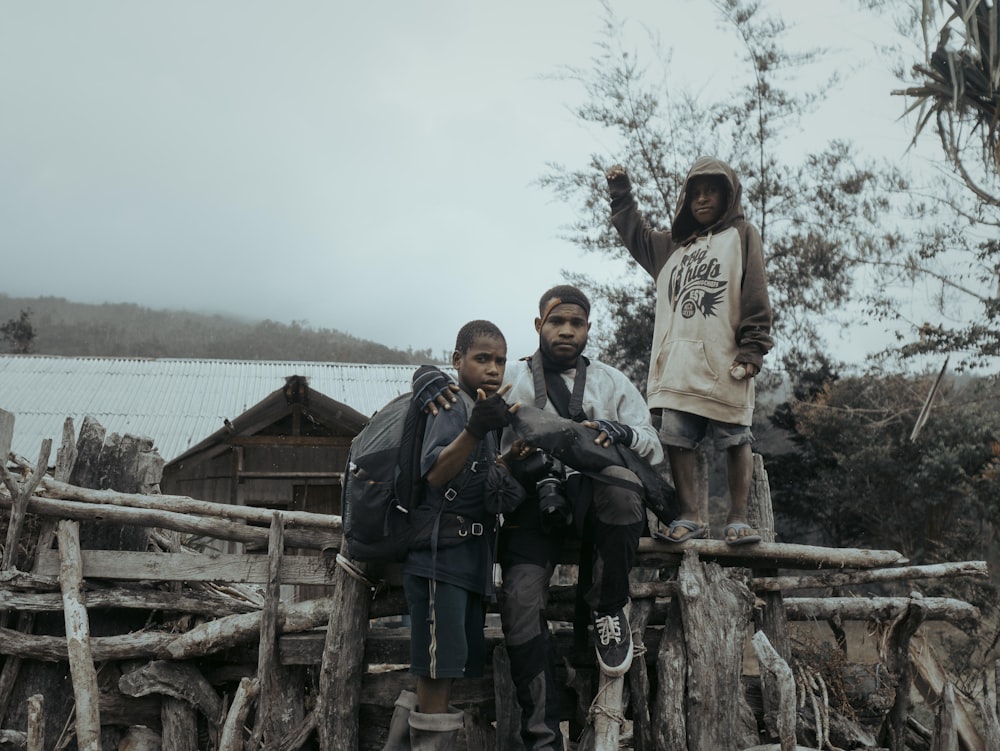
(816, 216)
(955, 92)
(860, 480)
(19, 333)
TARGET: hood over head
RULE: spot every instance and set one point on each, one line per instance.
(684, 225)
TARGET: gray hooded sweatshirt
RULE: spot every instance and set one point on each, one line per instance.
(712, 307)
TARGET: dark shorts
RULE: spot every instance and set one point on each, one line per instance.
(452, 643)
(685, 430)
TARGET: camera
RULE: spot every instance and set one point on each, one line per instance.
(555, 508)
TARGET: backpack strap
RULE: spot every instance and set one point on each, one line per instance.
(549, 386)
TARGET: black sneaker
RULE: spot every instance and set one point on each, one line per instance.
(613, 642)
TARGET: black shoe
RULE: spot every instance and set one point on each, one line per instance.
(613, 642)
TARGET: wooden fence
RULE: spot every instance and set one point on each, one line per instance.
(168, 646)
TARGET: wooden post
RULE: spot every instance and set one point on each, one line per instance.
(606, 715)
(36, 723)
(231, 738)
(770, 617)
(778, 685)
(945, 736)
(81, 664)
(267, 662)
(638, 679)
(180, 725)
(65, 457)
(897, 662)
(670, 720)
(716, 613)
(343, 660)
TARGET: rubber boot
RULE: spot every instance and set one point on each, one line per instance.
(435, 732)
(399, 725)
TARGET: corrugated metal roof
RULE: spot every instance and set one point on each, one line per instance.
(176, 402)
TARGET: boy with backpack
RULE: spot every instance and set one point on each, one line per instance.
(448, 579)
(710, 335)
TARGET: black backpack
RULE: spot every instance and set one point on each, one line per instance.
(382, 482)
(383, 488)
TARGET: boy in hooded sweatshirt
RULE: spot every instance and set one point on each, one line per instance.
(710, 335)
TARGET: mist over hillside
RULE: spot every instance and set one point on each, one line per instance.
(67, 328)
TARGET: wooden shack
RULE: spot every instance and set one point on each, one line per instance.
(287, 452)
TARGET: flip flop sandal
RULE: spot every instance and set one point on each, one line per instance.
(731, 534)
(695, 531)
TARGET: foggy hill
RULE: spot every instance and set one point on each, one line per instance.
(62, 327)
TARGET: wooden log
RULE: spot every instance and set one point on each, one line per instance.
(176, 679)
(15, 581)
(81, 661)
(886, 609)
(988, 709)
(135, 646)
(15, 523)
(183, 504)
(265, 725)
(65, 457)
(235, 629)
(479, 735)
(205, 567)
(638, 678)
(945, 736)
(6, 436)
(778, 685)
(139, 517)
(36, 723)
(231, 738)
(130, 597)
(290, 706)
(13, 739)
(669, 717)
(769, 616)
(897, 662)
(830, 579)
(658, 553)
(715, 609)
(180, 725)
(930, 678)
(343, 656)
(606, 716)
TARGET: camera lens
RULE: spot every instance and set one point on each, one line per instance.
(556, 511)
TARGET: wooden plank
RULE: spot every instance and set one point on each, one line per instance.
(120, 565)
(6, 434)
(36, 723)
(81, 661)
(266, 721)
(100, 516)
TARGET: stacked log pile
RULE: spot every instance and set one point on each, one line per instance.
(217, 660)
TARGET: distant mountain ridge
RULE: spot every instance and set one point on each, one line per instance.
(68, 328)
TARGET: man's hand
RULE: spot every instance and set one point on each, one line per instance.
(490, 413)
(742, 370)
(611, 432)
(615, 171)
(433, 389)
(518, 450)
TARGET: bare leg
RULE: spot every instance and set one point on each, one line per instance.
(433, 694)
(739, 473)
(684, 468)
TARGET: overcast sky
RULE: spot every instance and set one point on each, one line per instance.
(363, 166)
